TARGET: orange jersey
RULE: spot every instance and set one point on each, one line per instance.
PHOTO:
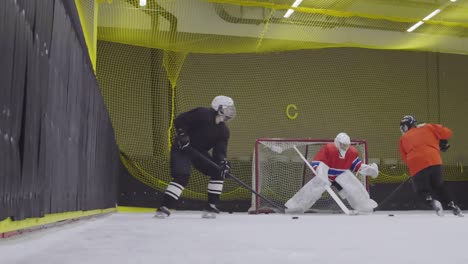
(419, 147)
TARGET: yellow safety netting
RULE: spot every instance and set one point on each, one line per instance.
(345, 65)
(228, 26)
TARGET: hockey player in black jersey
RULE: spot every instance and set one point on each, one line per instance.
(202, 129)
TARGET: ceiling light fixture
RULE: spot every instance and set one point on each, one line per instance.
(290, 11)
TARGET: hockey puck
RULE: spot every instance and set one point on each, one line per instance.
(295, 217)
(391, 215)
(230, 212)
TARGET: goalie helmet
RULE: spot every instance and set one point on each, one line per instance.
(407, 123)
(224, 106)
(342, 142)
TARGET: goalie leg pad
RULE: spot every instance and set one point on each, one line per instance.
(355, 193)
(306, 196)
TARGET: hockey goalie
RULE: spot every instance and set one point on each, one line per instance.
(335, 165)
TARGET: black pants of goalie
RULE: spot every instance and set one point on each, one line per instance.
(181, 166)
(429, 185)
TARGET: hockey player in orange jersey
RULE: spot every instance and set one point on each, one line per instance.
(420, 147)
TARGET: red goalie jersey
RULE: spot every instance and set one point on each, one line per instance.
(330, 155)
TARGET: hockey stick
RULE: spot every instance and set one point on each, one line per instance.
(328, 188)
(279, 209)
(392, 193)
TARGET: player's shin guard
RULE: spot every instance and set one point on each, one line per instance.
(215, 188)
(172, 194)
(442, 193)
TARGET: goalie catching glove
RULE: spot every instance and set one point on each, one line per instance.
(225, 167)
(182, 139)
(371, 170)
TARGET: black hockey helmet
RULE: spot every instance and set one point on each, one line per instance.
(407, 123)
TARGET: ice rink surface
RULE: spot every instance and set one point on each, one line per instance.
(418, 237)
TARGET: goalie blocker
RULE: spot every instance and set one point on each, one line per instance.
(353, 191)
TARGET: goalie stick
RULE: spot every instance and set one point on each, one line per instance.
(279, 209)
(327, 188)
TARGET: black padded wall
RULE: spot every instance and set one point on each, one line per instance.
(57, 147)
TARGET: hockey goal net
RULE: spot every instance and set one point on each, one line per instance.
(278, 171)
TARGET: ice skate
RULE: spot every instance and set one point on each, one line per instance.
(455, 209)
(437, 206)
(162, 212)
(210, 211)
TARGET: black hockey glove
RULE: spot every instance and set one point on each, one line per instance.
(225, 167)
(182, 139)
(444, 145)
